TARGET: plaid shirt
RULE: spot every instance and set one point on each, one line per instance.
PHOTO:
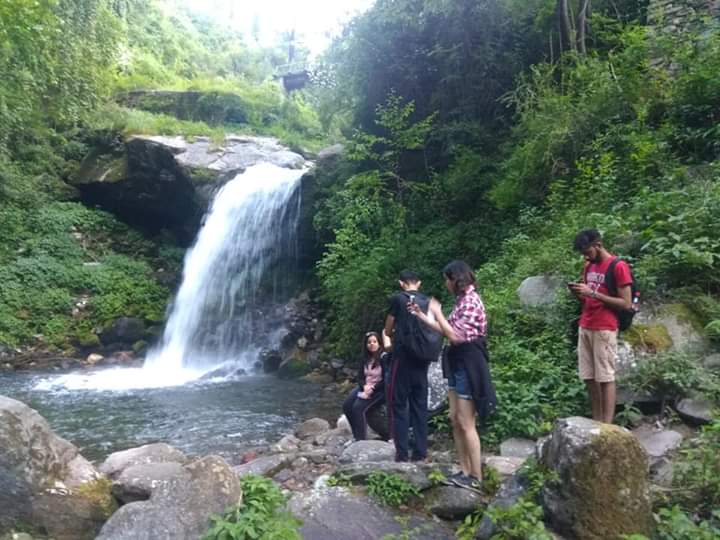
(468, 316)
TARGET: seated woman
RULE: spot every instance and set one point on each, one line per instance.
(371, 387)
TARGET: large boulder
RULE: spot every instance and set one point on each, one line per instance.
(538, 291)
(368, 451)
(158, 182)
(180, 507)
(329, 513)
(117, 462)
(125, 330)
(602, 489)
(43, 478)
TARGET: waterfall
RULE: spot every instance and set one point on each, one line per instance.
(231, 270)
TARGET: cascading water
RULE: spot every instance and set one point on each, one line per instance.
(234, 270)
(251, 225)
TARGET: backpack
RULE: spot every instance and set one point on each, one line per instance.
(418, 339)
(625, 316)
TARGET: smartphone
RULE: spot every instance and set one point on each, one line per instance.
(572, 284)
(412, 298)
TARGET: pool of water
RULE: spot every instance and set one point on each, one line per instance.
(225, 417)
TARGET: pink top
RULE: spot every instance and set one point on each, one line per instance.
(373, 373)
(468, 318)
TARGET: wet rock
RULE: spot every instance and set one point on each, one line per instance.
(42, 477)
(696, 411)
(288, 443)
(329, 513)
(265, 465)
(448, 502)
(311, 428)
(514, 447)
(117, 462)
(410, 472)
(180, 508)
(136, 483)
(602, 486)
(368, 451)
(293, 368)
(539, 290)
(93, 359)
(126, 330)
(270, 359)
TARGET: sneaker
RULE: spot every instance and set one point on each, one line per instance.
(467, 481)
(450, 480)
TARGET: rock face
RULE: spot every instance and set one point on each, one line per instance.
(180, 506)
(539, 290)
(160, 182)
(602, 490)
(43, 478)
(117, 462)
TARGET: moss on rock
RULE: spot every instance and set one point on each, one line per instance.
(98, 494)
(650, 337)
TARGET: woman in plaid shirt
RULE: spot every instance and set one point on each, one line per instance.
(466, 367)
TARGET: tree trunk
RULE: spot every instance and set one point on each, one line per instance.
(567, 33)
(582, 26)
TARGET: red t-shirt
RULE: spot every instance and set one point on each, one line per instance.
(595, 314)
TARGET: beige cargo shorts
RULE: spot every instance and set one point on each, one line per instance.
(597, 353)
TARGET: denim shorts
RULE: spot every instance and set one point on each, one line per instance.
(458, 381)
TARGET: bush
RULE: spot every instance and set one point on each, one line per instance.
(261, 515)
(390, 489)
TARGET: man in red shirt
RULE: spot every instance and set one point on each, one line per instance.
(597, 338)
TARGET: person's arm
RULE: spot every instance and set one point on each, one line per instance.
(439, 324)
(624, 298)
(388, 332)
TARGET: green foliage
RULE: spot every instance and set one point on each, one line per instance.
(262, 515)
(391, 489)
(672, 376)
(696, 475)
(674, 524)
(521, 521)
(340, 480)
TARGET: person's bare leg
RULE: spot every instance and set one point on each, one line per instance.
(596, 402)
(458, 437)
(466, 410)
(607, 391)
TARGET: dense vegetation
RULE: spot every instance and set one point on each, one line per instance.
(69, 271)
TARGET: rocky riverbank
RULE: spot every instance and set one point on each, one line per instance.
(334, 485)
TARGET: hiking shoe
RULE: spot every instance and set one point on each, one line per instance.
(467, 481)
(450, 480)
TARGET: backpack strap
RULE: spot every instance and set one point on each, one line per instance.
(610, 282)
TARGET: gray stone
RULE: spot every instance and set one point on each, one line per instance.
(137, 482)
(505, 466)
(514, 447)
(696, 411)
(657, 443)
(539, 290)
(331, 152)
(368, 451)
(712, 361)
(410, 472)
(447, 502)
(330, 513)
(288, 443)
(125, 330)
(510, 492)
(117, 462)
(311, 428)
(180, 508)
(265, 465)
(602, 480)
(35, 462)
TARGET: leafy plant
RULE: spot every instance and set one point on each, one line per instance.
(521, 521)
(340, 480)
(391, 489)
(261, 515)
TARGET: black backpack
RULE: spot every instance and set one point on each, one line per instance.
(418, 339)
(625, 316)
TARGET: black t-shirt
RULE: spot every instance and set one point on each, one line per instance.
(398, 309)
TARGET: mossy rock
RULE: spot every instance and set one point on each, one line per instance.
(293, 368)
(87, 339)
(98, 493)
(602, 490)
(101, 166)
(649, 337)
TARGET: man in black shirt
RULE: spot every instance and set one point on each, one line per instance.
(408, 387)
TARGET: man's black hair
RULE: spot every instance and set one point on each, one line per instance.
(585, 238)
(408, 276)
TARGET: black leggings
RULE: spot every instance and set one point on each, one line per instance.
(355, 409)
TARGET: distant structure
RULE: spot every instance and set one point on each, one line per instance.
(295, 74)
